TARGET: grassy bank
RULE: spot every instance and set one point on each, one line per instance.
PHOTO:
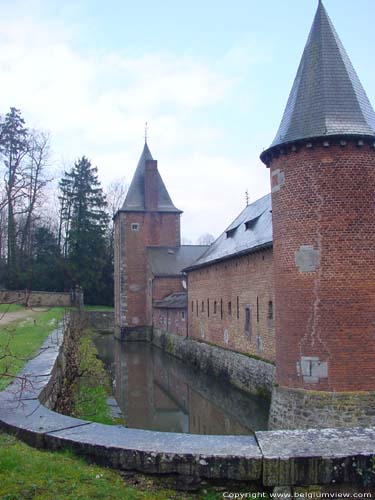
(21, 339)
(27, 473)
(4, 308)
(93, 387)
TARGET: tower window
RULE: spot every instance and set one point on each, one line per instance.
(202, 306)
(214, 306)
(221, 308)
(135, 226)
(192, 306)
(183, 314)
(229, 308)
(196, 304)
(257, 309)
(208, 307)
(238, 307)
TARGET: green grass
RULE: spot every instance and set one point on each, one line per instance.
(10, 307)
(98, 308)
(93, 388)
(27, 473)
(21, 339)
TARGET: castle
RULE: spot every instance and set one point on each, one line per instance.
(292, 279)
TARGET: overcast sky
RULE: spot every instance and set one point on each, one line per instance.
(211, 78)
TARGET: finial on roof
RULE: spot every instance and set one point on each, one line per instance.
(247, 197)
(146, 130)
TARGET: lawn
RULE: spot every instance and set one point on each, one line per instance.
(4, 308)
(21, 339)
(98, 308)
(27, 473)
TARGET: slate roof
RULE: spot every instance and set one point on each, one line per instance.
(170, 261)
(250, 231)
(176, 300)
(327, 98)
(135, 198)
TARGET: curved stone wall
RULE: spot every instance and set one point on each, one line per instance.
(277, 458)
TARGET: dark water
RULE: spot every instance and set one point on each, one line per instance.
(158, 392)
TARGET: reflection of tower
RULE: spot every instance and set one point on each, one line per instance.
(134, 383)
(322, 165)
(147, 218)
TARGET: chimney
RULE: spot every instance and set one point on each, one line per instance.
(151, 185)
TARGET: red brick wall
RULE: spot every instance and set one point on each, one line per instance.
(170, 320)
(250, 278)
(162, 287)
(131, 286)
(328, 202)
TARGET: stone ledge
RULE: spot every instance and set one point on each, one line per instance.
(278, 458)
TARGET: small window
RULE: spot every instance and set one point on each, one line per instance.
(231, 232)
(135, 226)
(257, 309)
(215, 305)
(196, 304)
(248, 321)
(270, 309)
(229, 308)
(221, 308)
(182, 314)
(208, 307)
(192, 306)
(202, 306)
(238, 307)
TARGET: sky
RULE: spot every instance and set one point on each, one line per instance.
(211, 79)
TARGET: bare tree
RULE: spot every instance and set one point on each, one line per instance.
(205, 239)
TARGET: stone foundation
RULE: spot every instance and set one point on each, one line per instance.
(133, 334)
(302, 409)
(244, 372)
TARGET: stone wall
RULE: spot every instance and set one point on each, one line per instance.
(222, 294)
(246, 373)
(303, 409)
(103, 321)
(35, 298)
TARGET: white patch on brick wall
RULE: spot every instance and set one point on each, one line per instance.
(226, 336)
(135, 320)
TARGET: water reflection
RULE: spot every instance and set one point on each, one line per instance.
(158, 392)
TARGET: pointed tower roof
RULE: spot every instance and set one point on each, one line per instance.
(327, 98)
(135, 198)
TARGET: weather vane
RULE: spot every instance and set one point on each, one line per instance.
(146, 130)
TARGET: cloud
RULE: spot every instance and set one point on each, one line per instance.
(95, 103)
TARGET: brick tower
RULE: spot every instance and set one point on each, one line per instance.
(322, 166)
(147, 218)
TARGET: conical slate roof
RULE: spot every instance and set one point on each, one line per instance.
(327, 98)
(135, 198)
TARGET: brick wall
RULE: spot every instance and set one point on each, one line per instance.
(324, 255)
(170, 320)
(246, 283)
(162, 287)
(134, 231)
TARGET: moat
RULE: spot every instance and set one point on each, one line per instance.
(156, 391)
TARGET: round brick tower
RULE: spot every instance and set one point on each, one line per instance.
(322, 166)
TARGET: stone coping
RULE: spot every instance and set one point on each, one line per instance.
(275, 458)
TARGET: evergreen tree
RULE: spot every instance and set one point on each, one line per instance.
(83, 207)
(13, 149)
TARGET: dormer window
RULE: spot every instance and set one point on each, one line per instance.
(250, 224)
(135, 226)
(231, 232)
